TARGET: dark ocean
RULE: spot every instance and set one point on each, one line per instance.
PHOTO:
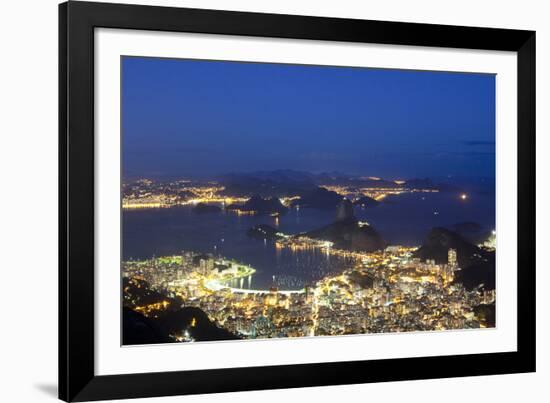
(402, 219)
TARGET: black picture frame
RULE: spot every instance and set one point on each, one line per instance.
(77, 379)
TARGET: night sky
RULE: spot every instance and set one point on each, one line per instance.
(188, 118)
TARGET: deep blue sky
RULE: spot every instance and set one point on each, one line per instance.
(201, 118)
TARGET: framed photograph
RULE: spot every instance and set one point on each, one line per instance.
(256, 201)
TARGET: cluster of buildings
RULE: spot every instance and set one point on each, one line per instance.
(355, 193)
(383, 291)
(145, 193)
(392, 291)
(490, 243)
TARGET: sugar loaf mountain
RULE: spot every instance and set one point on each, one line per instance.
(346, 232)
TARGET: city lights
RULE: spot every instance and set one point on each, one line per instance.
(403, 294)
(388, 290)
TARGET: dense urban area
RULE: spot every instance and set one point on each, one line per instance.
(194, 296)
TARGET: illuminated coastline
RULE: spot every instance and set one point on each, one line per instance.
(383, 291)
(149, 194)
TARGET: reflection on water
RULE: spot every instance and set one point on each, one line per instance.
(404, 219)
